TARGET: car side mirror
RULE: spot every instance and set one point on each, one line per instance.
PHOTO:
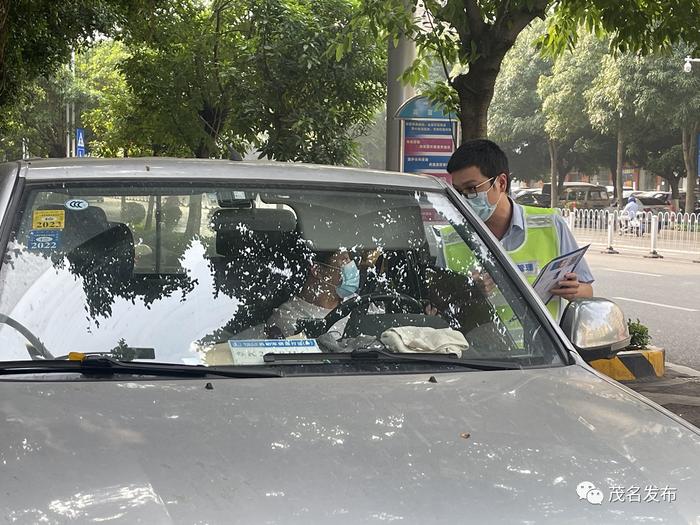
(596, 327)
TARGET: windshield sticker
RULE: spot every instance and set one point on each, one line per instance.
(76, 204)
(40, 240)
(251, 351)
(49, 219)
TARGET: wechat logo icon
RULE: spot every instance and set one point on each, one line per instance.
(587, 490)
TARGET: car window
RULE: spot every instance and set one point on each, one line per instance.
(184, 272)
(576, 195)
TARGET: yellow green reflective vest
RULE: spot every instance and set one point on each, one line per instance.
(540, 246)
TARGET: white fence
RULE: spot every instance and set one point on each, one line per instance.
(673, 234)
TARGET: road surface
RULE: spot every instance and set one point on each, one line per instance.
(664, 294)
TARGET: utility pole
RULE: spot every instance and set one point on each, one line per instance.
(399, 59)
(72, 104)
(68, 133)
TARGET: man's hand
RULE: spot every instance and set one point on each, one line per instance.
(484, 282)
(570, 288)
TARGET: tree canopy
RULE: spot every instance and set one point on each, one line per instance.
(476, 35)
(37, 36)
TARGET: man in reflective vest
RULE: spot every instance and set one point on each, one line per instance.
(531, 236)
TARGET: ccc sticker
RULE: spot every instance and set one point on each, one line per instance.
(76, 204)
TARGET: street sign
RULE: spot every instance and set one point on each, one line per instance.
(419, 107)
(79, 142)
(428, 137)
(427, 146)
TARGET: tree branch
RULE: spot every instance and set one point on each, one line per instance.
(509, 25)
(474, 18)
(440, 52)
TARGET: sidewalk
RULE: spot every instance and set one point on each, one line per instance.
(678, 391)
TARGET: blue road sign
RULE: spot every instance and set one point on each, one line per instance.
(79, 142)
(420, 108)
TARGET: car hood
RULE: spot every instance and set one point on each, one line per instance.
(499, 447)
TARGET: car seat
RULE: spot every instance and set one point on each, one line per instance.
(105, 262)
(261, 261)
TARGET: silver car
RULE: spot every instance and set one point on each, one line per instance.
(188, 341)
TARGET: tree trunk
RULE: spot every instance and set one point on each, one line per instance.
(690, 155)
(613, 175)
(475, 90)
(194, 216)
(554, 172)
(673, 182)
(620, 160)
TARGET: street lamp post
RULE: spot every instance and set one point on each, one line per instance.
(688, 66)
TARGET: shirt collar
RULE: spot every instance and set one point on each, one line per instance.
(517, 219)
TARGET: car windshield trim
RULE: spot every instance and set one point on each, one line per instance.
(392, 357)
(102, 366)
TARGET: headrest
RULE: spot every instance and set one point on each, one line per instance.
(107, 256)
(256, 219)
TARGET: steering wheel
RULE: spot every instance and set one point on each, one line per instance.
(346, 308)
(37, 350)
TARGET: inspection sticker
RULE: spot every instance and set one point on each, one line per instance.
(44, 240)
(251, 351)
(49, 219)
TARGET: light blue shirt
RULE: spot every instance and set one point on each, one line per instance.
(515, 236)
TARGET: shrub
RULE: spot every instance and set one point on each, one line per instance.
(640, 334)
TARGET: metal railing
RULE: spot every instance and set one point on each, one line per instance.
(675, 234)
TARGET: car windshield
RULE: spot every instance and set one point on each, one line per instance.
(224, 275)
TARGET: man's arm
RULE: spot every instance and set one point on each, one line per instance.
(574, 285)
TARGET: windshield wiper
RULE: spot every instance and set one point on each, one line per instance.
(384, 356)
(106, 366)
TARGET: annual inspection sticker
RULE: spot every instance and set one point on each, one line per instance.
(49, 219)
(39, 240)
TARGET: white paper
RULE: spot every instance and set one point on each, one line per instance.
(554, 272)
(252, 351)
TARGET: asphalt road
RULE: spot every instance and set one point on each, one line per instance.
(664, 294)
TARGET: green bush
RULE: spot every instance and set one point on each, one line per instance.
(640, 334)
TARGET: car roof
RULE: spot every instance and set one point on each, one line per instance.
(51, 170)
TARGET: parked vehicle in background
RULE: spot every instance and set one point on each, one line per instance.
(533, 198)
(648, 204)
(580, 195)
(681, 202)
(521, 191)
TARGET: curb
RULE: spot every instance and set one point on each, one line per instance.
(684, 370)
(629, 365)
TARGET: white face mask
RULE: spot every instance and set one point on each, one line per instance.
(481, 205)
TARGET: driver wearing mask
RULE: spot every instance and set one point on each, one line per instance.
(332, 277)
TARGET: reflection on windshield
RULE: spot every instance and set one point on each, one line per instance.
(218, 276)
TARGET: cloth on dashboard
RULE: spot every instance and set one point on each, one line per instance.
(415, 339)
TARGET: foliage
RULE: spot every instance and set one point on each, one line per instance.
(307, 103)
(639, 333)
(203, 78)
(184, 69)
(472, 37)
(122, 352)
(36, 36)
(516, 120)
(36, 118)
(109, 112)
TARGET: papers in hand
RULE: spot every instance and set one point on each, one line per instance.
(555, 270)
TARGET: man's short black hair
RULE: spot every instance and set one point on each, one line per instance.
(484, 154)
